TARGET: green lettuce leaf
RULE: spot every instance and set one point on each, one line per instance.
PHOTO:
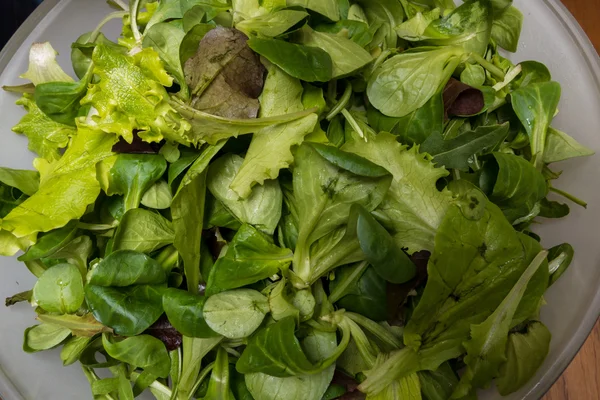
(45, 136)
(43, 67)
(413, 208)
(67, 187)
(281, 95)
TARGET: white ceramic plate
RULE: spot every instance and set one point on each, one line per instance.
(550, 35)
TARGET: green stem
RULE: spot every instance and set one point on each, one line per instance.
(133, 14)
(353, 123)
(168, 257)
(96, 227)
(203, 375)
(332, 260)
(342, 103)
(118, 2)
(569, 196)
(352, 278)
(156, 385)
(497, 72)
(380, 60)
(332, 91)
(109, 17)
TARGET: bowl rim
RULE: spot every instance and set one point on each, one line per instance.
(592, 59)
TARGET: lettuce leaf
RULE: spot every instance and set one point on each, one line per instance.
(43, 67)
(67, 186)
(131, 96)
(413, 208)
(282, 94)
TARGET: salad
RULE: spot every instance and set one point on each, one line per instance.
(291, 200)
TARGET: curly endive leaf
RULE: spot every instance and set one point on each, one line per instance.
(67, 186)
(282, 94)
(413, 208)
(45, 135)
(131, 96)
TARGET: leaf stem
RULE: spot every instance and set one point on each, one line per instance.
(569, 196)
(109, 17)
(120, 4)
(353, 123)
(494, 70)
(96, 227)
(203, 375)
(133, 14)
(342, 103)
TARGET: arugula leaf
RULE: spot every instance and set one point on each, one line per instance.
(506, 29)
(144, 231)
(130, 95)
(236, 314)
(43, 67)
(535, 105)
(317, 345)
(413, 209)
(404, 83)
(457, 152)
(281, 95)
(59, 289)
(560, 147)
(45, 135)
(261, 209)
(185, 312)
(347, 57)
(250, 257)
(273, 24)
(525, 353)
(67, 187)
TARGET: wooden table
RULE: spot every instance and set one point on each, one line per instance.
(581, 381)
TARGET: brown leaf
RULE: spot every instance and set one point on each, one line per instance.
(137, 146)
(462, 100)
(225, 75)
(164, 331)
(398, 294)
(351, 385)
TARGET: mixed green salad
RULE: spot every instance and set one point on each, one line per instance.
(291, 200)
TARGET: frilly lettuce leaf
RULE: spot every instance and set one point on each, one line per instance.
(131, 96)
(413, 208)
(282, 94)
(67, 186)
(45, 135)
(43, 67)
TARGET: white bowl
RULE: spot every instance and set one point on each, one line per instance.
(550, 35)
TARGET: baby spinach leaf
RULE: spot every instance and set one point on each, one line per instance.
(43, 337)
(159, 196)
(513, 184)
(236, 314)
(347, 56)
(59, 289)
(43, 67)
(45, 135)
(281, 95)
(559, 258)
(272, 24)
(327, 8)
(166, 10)
(386, 15)
(532, 72)
(67, 187)
(225, 76)
(438, 384)
(261, 209)
(357, 31)
(143, 351)
(61, 100)
(82, 49)
(560, 147)
(276, 351)
(310, 64)
(26, 181)
(131, 175)
(404, 83)
(129, 299)
(525, 353)
(166, 39)
(487, 344)
(413, 29)
(473, 75)
(187, 158)
(506, 29)
(455, 153)
(50, 243)
(187, 211)
(468, 26)
(317, 346)
(386, 257)
(326, 182)
(73, 349)
(184, 311)
(144, 231)
(280, 302)
(250, 257)
(413, 203)
(535, 106)
(553, 209)
(367, 296)
(218, 386)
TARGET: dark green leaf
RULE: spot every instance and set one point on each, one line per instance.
(506, 29)
(26, 181)
(349, 161)
(50, 243)
(366, 297)
(125, 268)
(553, 209)
(309, 64)
(61, 100)
(559, 258)
(272, 24)
(185, 312)
(532, 72)
(218, 386)
(438, 384)
(356, 31)
(143, 231)
(143, 351)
